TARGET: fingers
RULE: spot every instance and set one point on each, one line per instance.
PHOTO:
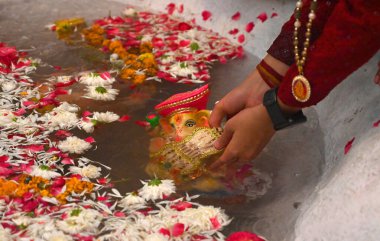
(217, 114)
(224, 139)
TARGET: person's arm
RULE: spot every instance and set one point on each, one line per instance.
(350, 38)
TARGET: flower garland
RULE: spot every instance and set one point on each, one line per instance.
(46, 193)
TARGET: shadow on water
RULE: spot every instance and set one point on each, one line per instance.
(293, 164)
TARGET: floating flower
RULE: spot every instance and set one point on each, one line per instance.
(97, 79)
(183, 69)
(132, 201)
(236, 16)
(89, 171)
(105, 117)
(73, 144)
(44, 171)
(80, 220)
(157, 189)
(104, 93)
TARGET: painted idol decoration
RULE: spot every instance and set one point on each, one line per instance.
(181, 145)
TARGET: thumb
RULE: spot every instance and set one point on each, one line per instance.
(224, 139)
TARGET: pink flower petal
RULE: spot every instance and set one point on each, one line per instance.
(233, 31)
(184, 43)
(215, 223)
(19, 112)
(124, 118)
(180, 9)
(376, 124)
(86, 113)
(119, 214)
(241, 38)
(178, 229)
(180, 206)
(63, 133)
(244, 236)
(249, 27)
(142, 123)
(348, 146)
(273, 15)
(182, 26)
(206, 15)
(236, 16)
(170, 7)
(90, 139)
(105, 75)
(67, 161)
(164, 231)
(57, 67)
(263, 17)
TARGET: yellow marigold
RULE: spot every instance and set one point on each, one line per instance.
(151, 72)
(97, 29)
(106, 42)
(146, 47)
(115, 44)
(127, 73)
(139, 79)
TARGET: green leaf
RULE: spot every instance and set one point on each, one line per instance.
(194, 46)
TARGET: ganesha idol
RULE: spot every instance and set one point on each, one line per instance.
(182, 142)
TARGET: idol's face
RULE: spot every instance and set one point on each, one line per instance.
(183, 124)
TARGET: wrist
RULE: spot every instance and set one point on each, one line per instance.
(286, 109)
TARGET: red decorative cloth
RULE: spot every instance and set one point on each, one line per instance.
(349, 37)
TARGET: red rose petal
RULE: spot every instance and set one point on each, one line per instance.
(57, 67)
(67, 161)
(90, 139)
(241, 38)
(142, 123)
(376, 124)
(164, 232)
(244, 236)
(184, 43)
(348, 146)
(236, 16)
(180, 206)
(180, 9)
(170, 7)
(182, 27)
(249, 27)
(215, 223)
(19, 112)
(86, 113)
(263, 17)
(273, 15)
(178, 229)
(206, 15)
(233, 31)
(124, 118)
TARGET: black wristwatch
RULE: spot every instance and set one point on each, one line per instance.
(279, 119)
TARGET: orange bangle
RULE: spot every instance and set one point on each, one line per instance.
(269, 75)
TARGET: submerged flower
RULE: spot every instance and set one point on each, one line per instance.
(106, 117)
(105, 93)
(44, 171)
(132, 201)
(97, 79)
(157, 189)
(89, 171)
(74, 144)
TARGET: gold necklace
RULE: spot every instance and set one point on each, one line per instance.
(301, 89)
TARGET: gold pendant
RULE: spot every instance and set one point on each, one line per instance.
(301, 89)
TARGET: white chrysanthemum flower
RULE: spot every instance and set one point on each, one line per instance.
(89, 171)
(62, 119)
(65, 106)
(87, 126)
(57, 236)
(132, 201)
(6, 117)
(5, 234)
(22, 221)
(61, 79)
(105, 93)
(44, 171)
(96, 79)
(182, 69)
(156, 237)
(199, 219)
(129, 12)
(73, 144)
(80, 220)
(114, 57)
(167, 59)
(106, 117)
(157, 189)
(8, 86)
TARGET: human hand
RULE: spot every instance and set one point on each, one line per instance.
(247, 94)
(377, 76)
(244, 136)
